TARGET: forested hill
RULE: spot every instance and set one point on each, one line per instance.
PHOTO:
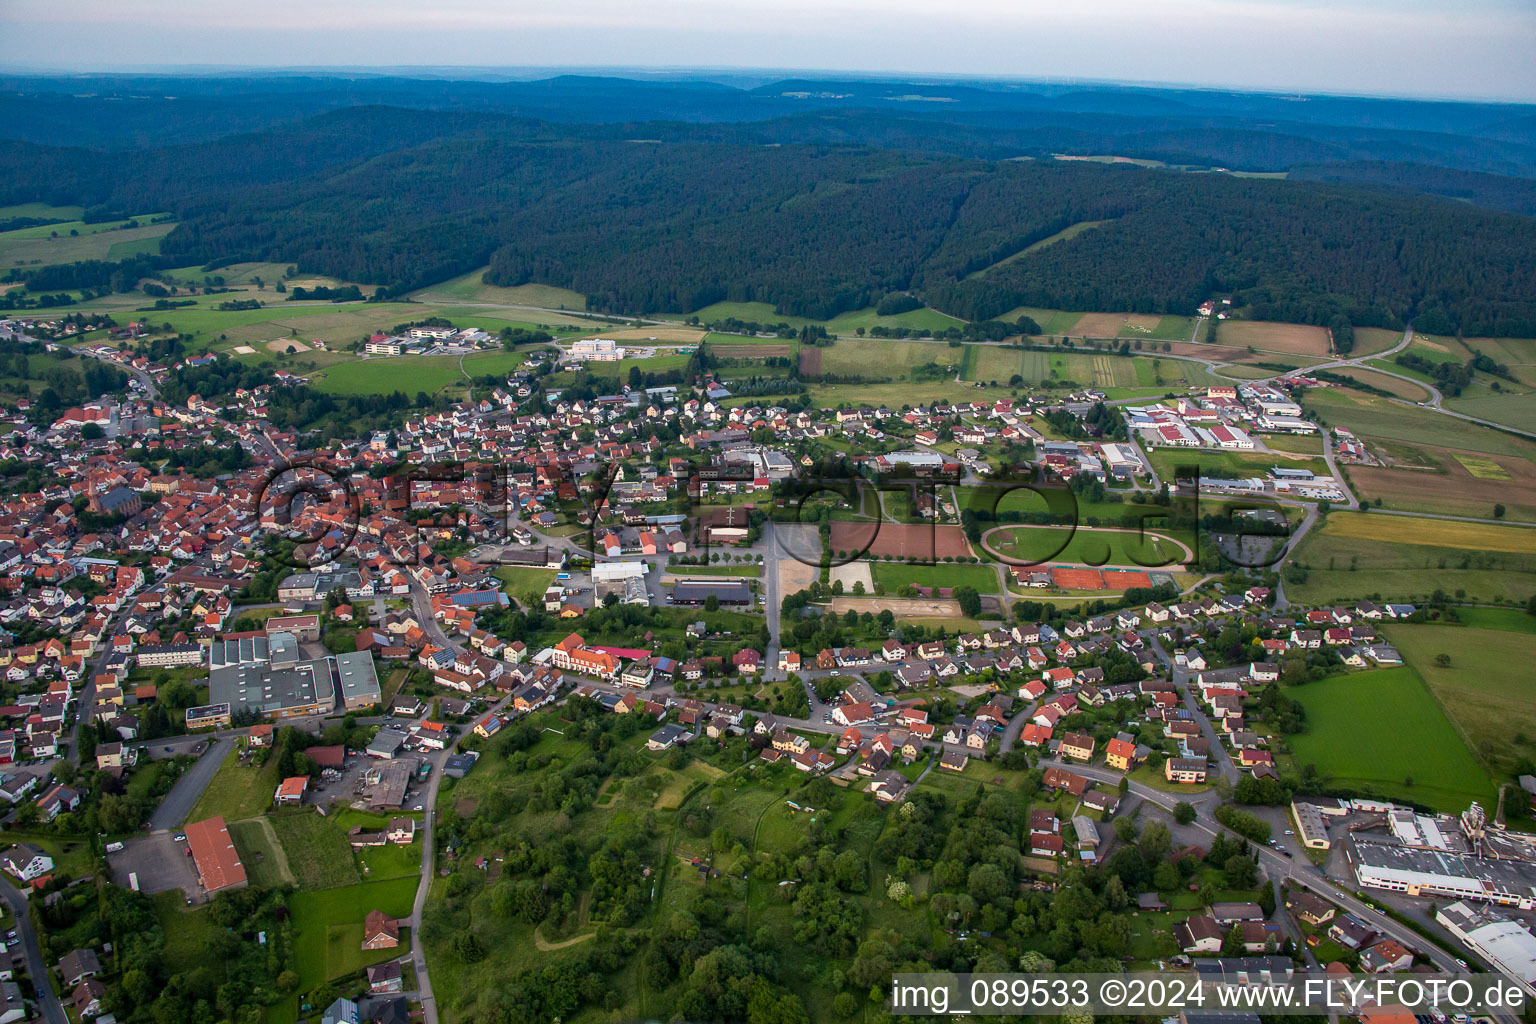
(404, 199)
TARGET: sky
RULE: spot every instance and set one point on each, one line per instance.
(1480, 49)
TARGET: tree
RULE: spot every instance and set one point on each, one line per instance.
(1443, 660)
(711, 603)
(1498, 510)
(1155, 842)
(1232, 945)
(1184, 812)
(969, 601)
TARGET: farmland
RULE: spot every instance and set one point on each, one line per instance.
(1424, 478)
(1351, 557)
(1485, 688)
(1443, 533)
(1381, 733)
(54, 243)
(1290, 339)
(1373, 416)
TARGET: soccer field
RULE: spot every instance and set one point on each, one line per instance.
(1382, 733)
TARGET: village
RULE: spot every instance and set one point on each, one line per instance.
(431, 587)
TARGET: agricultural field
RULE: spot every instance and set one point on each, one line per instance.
(470, 288)
(894, 575)
(1517, 410)
(53, 243)
(843, 325)
(1382, 732)
(1370, 340)
(1406, 390)
(1354, 555)
(1053, 322)
(1288, 339)
(1371, 416)
(1485, 689)
(1117, 325)
(1424, 478)
(882, 358)
(1296, 444)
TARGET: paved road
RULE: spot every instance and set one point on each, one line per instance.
(428, 861)
(37, 970)
(178, 803)
(1297, 871)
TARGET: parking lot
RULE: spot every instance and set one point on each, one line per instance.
(160, 862)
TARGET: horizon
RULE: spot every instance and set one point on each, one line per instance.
(1476, 52)
(719, 75)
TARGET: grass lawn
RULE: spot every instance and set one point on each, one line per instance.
(526, 585)
(1382, 732)
(1485, 689)
(1091, 546)
(1230, 464)
(744, 571)
(237, 791)
(318, 916)
(1498, 618)
(894, 575)
(317, 850)
(189, 931)
(261, 853)
(411, 374)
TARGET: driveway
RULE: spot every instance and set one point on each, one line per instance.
(178, 803)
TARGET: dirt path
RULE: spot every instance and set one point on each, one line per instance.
(279, 855)
(544, 947)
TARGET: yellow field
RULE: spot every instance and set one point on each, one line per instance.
(1109, 325)
(1296, 339)
(1482, 468)
(1442, 533)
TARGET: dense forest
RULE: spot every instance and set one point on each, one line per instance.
(405, 199)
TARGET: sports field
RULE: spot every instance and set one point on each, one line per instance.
(1382, 733)
(894, 575)
(1087, 545)
(1485, 689)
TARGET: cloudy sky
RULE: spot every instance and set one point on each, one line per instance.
(1452, 48)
